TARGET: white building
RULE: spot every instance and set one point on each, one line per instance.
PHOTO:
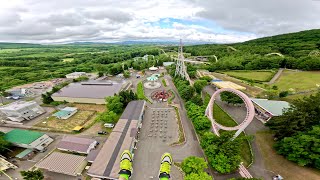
(28, 139)
(22, 110)
(75, 75)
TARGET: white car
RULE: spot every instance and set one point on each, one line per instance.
(108, 125)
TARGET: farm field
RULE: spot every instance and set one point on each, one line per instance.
(278, 164)
(298, 80)
(253, 75)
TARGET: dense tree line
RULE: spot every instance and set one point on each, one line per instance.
(297, 131)
(115, 106)
(194, 167)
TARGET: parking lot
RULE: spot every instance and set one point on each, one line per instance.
(158, 131)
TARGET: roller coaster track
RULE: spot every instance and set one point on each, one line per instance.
(278, 54)
(232, 48)
(240, 127)
(314, 53)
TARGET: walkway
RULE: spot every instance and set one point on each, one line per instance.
(276, 76)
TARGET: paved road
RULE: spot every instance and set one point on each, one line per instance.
(276, 76)
(238, 113)
(192, 140)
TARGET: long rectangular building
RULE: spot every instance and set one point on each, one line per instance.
(123, 137)
(92, 91)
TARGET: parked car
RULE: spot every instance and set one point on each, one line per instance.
(108, 125)
(102, 132)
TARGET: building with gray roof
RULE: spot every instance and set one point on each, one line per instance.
(123, 137)
(92, 91)
(266, 109)
(63, 163)
(77, 144)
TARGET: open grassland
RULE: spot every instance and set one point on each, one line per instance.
(262, 76)
(81, 118)
(278, 164)
(223, 118)
(298, 80)
(68, 59)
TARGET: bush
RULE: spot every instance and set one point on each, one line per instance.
(283, 94)
(193, 164)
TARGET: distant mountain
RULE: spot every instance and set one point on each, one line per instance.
(17, 45)
(149, 42)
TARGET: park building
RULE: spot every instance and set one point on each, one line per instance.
(92, 91)
(28, 139)
(22, 110)
(125, 135)
(77, 144)
(76, 75)
(65, 113)
(266, 109)
(63, 163)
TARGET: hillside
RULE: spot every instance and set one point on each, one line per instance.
(295, 50)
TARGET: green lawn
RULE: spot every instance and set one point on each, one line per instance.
(140, 92)
(224, 119)
(298, 80)
(164, 83)
(263, 76)
(68, 59)
(9, 50)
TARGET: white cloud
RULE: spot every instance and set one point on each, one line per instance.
(57, 21)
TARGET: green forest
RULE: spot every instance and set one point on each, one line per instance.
(25, 63)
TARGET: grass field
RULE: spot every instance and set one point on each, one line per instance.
(278, 164)
(81, 118)
(253, 75)
(224, 119)
(164, 83)
(68, 59)
(140, 92)
(9, 50)
(298, 80)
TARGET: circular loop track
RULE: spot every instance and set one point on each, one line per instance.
(249, 116)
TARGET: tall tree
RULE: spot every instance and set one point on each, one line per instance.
(32, 175)
(231, 98)
(301, 116)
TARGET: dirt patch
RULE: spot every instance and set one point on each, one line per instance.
(90, 107)
(81, 118)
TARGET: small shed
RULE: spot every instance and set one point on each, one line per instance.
(77, 128)
(25, 154)
(65, 113)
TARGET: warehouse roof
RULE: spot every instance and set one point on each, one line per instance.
(20, 136)
(133, 110)
(76, 144)
(17, 105)
(90, 89)
(106, 163)
(63, 163)
(274, 107)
